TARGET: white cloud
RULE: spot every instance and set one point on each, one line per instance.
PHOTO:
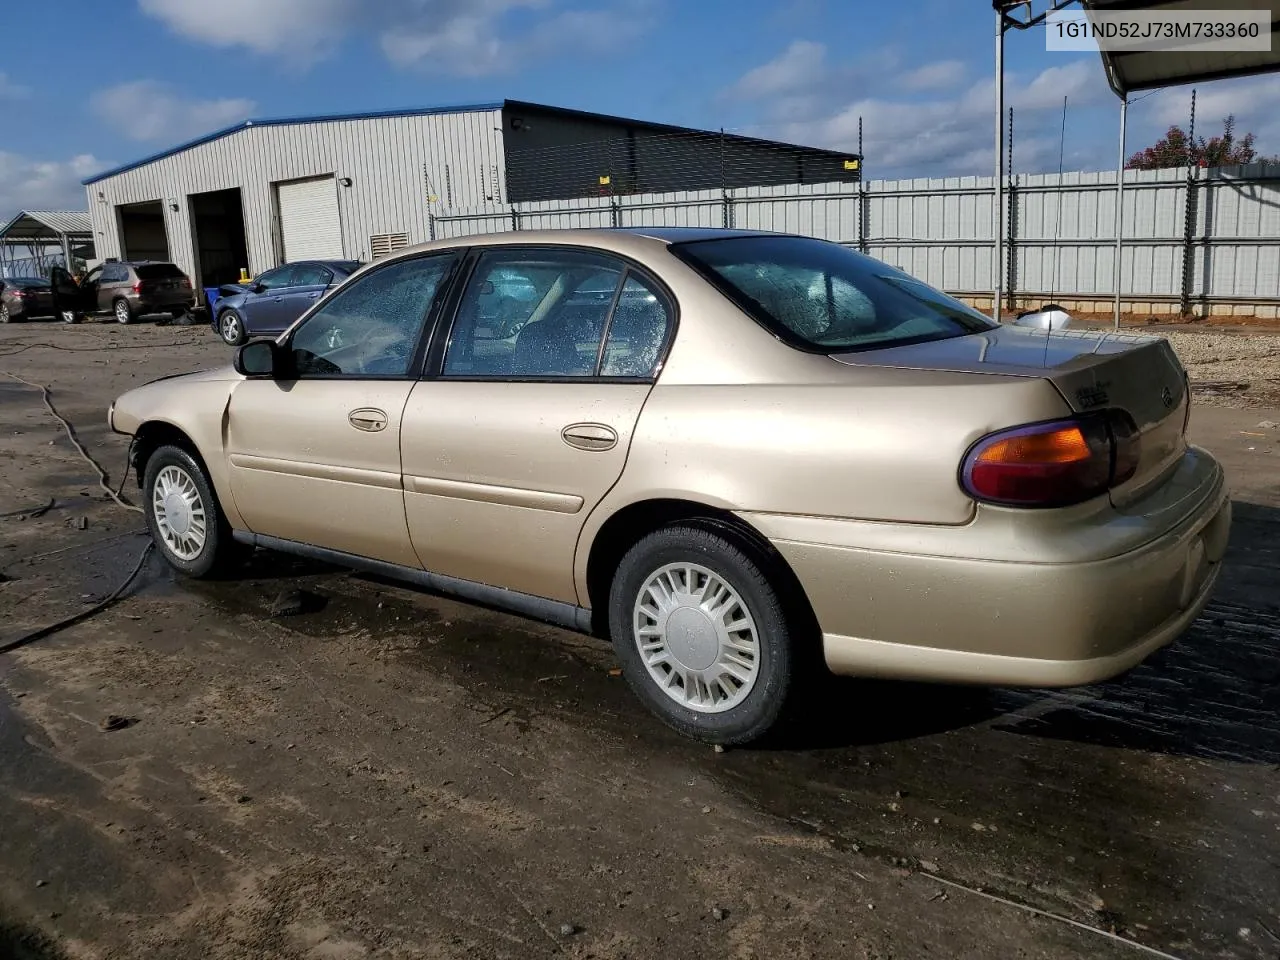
(30, 184)
(922, 121)
(1251, 101)
(942, 75)
(799, 67)
(10, 90)
(462, 37)
(298, 28)
(150, 110)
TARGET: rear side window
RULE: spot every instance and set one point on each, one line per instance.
(550, 314)
(114, 273)
(823, 297)
(158, 271)
(310, 275)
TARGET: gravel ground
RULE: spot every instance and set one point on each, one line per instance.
(1231, 359)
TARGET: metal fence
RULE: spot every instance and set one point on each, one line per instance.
(1195, 240)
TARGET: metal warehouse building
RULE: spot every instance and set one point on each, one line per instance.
(358, 186)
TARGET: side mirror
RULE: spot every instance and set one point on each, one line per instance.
(1049, 317)
(257, 358)
(256, 287)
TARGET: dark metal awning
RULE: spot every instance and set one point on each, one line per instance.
(1147, 69)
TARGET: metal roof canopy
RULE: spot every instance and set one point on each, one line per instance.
(1128, 71)
(46, 226)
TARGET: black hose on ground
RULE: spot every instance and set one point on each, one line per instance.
(119, 591)
(71, 621)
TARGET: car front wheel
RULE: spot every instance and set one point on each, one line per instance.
(702, 635)
(183, 514)
(231, 328)
(4, 313)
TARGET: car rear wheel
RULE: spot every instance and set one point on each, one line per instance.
(702, 635)
(231, 328)
(184, 516)
(123, 312)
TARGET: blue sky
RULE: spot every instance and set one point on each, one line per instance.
(918, 72)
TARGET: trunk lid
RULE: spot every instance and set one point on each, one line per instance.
(1092, 370)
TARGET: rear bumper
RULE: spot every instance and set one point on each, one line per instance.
(1017, 622)
(161, 302)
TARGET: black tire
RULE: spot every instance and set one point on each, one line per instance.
(219, 551)
(5, 316)
(121, 310)
(231, 338)
(741, 570)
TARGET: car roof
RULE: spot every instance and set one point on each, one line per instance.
(623, 240)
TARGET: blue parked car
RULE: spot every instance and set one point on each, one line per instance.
(275, 299)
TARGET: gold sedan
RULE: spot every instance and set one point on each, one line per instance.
(726, 451)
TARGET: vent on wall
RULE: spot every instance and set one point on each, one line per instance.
(385, 243)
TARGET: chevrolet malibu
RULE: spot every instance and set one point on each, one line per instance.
(731, 453)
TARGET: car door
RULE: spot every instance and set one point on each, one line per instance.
(309, 283)
(314, 453)
(263, 308)
(103, 294)
(525, 420)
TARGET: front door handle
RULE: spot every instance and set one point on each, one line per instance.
(313, 296)
(590, 436)
(368, 419)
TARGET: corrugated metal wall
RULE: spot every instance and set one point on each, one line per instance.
(940, 230)
(395, 165)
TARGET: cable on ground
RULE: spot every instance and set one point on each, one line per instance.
(71, 435)
(72, 620)
(119, 591)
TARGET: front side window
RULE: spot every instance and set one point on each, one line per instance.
(820, 296)
(533, 313)
(277, 278)
(371, 327)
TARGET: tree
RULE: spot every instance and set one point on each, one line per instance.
(1176, 149)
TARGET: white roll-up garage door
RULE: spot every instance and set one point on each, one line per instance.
(309, 224)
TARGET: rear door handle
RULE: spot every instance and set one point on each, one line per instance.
(313, 296)
(368, 419)
(590, 436)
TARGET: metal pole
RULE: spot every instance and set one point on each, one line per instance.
(1115, 270)
(997, 213)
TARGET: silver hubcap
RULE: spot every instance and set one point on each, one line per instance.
(122, 311)
(4, 312)
(230, 328)
(179, 512)
(696, 637)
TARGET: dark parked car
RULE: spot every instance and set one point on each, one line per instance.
(22, 298)
(275, 299)
(126, 289)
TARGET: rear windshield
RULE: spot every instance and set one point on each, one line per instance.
(823, 297)
(345, 266)
(157, 271)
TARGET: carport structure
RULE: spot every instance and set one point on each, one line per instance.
(44, 232)
(1128, 71)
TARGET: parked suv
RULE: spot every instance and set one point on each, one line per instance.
(126, 289)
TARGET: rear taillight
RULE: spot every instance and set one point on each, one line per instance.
(137, 287)
(1053, 464)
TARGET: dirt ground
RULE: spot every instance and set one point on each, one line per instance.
(393, 774)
